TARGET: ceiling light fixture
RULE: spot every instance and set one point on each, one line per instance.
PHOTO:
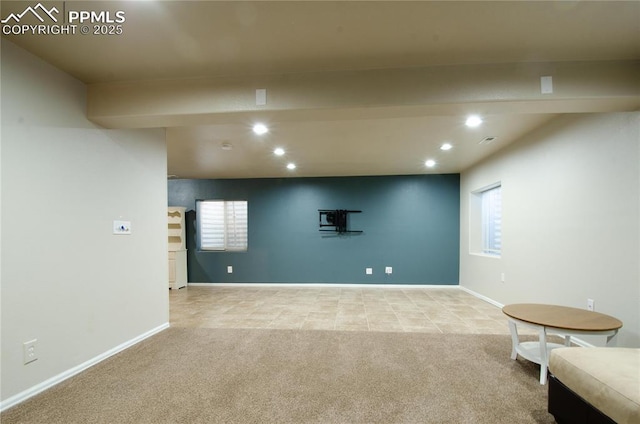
(278, 151)
(473, 121)
(446, 146)
(291, 166)
(430, 163)
(260, 129)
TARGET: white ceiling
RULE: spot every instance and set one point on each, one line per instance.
(179, 40)
(389, 146)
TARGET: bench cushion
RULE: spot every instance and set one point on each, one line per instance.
(607, 378)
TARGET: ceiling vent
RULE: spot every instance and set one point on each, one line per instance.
(487, 140)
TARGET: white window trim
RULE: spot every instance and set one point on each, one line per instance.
(477, 240)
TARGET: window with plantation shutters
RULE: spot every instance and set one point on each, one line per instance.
(485, 221)
(222, 225)
(492, 221)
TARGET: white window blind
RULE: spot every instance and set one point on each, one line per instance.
(223, 225)
(236, 225)
(492, 221)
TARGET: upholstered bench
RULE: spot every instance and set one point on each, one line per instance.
(595, 385)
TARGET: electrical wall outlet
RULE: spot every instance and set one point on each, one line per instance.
(591, 304)
(502, 277)
(29, 351)
(229, 269)
(368, 271)
(388, 270)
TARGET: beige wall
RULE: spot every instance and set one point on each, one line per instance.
(571, 219)
(571, 225)
(67, 281)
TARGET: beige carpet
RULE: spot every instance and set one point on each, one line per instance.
(187, 375)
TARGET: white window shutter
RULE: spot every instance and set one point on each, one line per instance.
(492, 220)
(212, 226)
(237, 228)
(223, 225)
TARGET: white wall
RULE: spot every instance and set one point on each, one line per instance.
(66, 280)
(571, 219)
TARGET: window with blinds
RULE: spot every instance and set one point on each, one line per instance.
(222, 225)
(492, 220)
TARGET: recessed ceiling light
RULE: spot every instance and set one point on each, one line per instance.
(473, 121)
(291, 166)
(260, 129)
(430, 163)
(446, 146)
(278, 151)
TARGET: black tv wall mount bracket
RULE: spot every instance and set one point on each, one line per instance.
(335, 220)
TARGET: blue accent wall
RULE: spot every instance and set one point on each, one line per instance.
(411, 223)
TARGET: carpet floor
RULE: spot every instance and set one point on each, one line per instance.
(199, 375)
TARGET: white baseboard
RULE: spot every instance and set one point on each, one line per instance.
(574, 339)
(581, 342)
(32, 391)
(328, 285)
(485, 298)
